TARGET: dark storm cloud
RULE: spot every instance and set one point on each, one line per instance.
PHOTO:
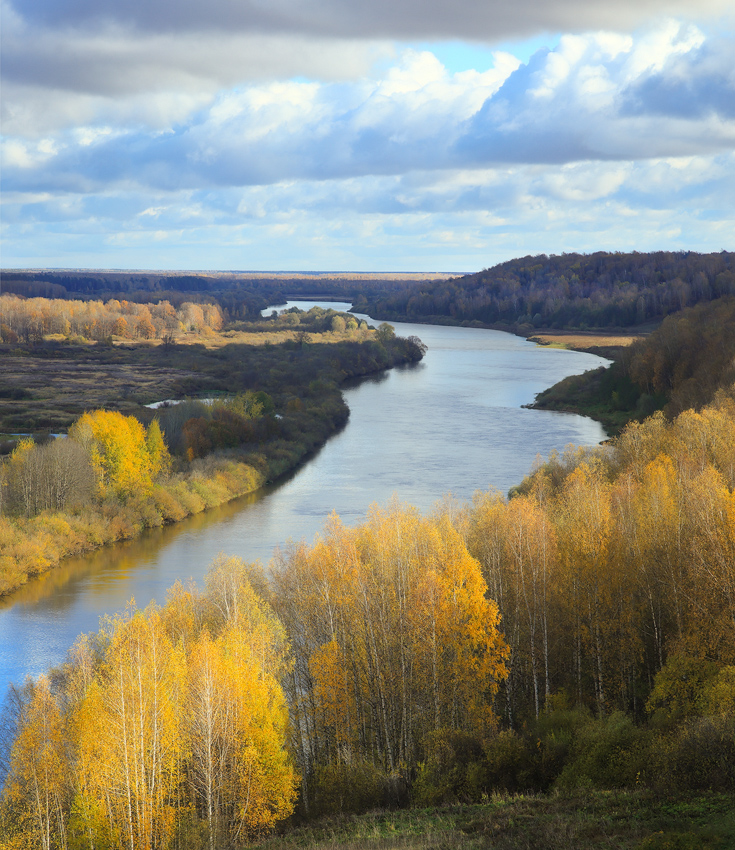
(393, 19)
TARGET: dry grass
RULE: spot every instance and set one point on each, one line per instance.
(57, 391)
(46, 387)
(582, 341)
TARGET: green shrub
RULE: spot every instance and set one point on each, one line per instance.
(354, 788)
(679, 689)
(552, 739)
(453, 769)
(609, 753)
(190, 501)
(703, 755)
(719, 697)
(509, 764)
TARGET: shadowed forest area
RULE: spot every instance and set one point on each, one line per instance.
(679, 366)
(601, 290)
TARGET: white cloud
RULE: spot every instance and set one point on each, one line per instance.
(586, 182)
(25, 155)
(288, 126)
(581, 102)
(84, 50)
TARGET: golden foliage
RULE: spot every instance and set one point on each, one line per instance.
(392, 635)
(165, 715)
(118, 450)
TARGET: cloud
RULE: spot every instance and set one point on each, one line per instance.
(109, 49)
(407, 19)
(592, 98)
(690, 85)
(450, 220)
(292, 133)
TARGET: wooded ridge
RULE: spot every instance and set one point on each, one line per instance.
(601, 290)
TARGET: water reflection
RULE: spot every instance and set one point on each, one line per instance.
(101, 569)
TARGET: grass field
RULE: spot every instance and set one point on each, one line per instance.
(597, 343)
(628, 820)
(46, 387)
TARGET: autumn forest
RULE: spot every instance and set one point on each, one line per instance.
(574, 635)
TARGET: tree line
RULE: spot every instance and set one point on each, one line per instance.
(241, 296)
(32, 319)
(600, 290)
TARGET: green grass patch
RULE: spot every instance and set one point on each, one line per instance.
(629, 820)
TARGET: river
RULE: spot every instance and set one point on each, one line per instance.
(450, 424)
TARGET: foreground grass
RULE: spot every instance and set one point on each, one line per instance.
(629, 820)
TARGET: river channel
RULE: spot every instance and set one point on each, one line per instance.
(450, 424)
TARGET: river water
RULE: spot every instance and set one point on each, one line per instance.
(450, 424)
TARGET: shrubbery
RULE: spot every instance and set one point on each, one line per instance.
(347, 788)
(29, 546)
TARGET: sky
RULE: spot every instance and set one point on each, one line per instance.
(390, 135)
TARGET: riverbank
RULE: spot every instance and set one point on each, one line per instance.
(608, 344)
(300, 378)
(604, 342)
(31, 546)
(596, 394)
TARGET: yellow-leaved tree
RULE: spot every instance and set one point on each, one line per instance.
(125, 457)
(393, 638)
(236, 712)
(38, 783)
(169, 725)
(132, 742)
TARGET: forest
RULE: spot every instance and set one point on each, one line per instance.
(579, 634)
(601, 290)
(241, 295)
(678, 366)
